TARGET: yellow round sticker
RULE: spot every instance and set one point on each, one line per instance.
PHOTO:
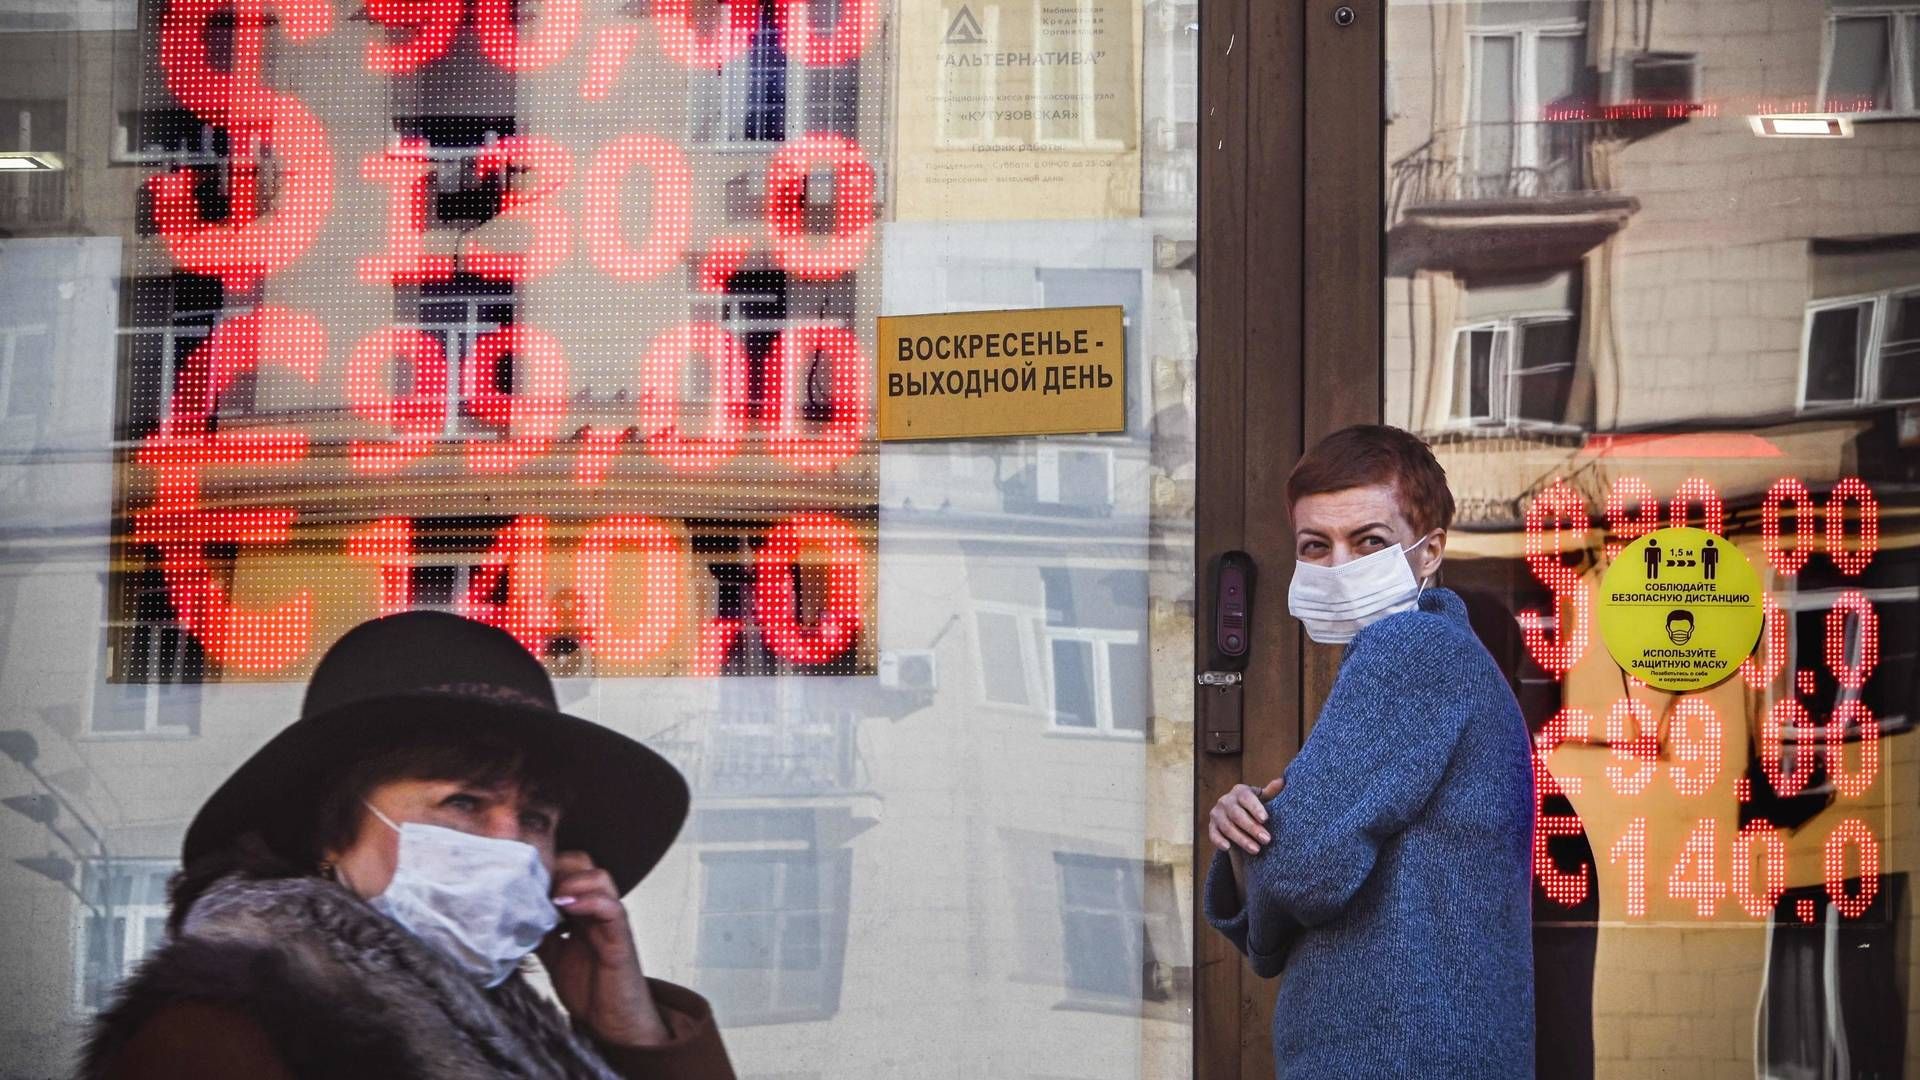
(1680, 609)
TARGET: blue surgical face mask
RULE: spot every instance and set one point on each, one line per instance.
(481, 901)
(1336, 602)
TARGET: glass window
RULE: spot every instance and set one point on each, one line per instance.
(650, 243)
(1837, 339)
(1862, 63)
(126, 918)
(1900, 348)
(1662, 342)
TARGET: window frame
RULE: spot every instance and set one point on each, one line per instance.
(1525, 87)
(1025, 621)
(1867, 378)
(1503, 374)
(1903, 84)
(134, 927)
(734, 90)
(1101, 640)
(1794, 602)
(456, 423)
(830, 904)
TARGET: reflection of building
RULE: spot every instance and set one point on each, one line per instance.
(1002, 803)
(1599, 274)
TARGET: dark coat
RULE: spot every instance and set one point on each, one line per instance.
(298, 978)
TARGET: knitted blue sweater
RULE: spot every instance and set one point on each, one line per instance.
(1395, 898)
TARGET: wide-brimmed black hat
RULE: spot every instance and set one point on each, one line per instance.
(424, 676)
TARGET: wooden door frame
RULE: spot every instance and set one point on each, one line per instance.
(1289, 309)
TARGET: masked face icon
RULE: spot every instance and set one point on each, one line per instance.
(1679, 626)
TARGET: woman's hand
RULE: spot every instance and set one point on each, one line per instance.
(1237, 822)
(595, 967)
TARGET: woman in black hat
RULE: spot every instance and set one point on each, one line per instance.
(358, 898)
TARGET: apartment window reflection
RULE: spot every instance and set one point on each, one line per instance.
(40, 197)
(124, 919)
(1516, 354)
(1833, 1002)
(157, 664)
(452, 145)
(745, 101)
(1095, 657)
(1891, 586)
(1118, 946)
(457, 314)
(1519, 76)
(1873, 59)
(769, 947)
(1862, 350)
(165, 319)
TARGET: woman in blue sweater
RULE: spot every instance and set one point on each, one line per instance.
(1386, 877)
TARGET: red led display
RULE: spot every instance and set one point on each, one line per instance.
(1685, 738)
(1558, 641)
(463, 426)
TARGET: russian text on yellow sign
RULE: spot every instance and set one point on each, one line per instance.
(1041, 371)
(1680, 609)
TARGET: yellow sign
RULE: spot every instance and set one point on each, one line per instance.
(1017, 111)
(1680, 609)
(977, 374)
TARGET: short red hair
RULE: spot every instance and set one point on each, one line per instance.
(1368, 454)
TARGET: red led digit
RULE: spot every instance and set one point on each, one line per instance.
(408, 174)
(1784, 715)
(184, 443)
(433, 22)
(236, 637)
(1566, 889)
(775, 603)
(1852, 561)
(1712, 511)
(597, 448)
(1852, 833)
(847, 368)
(787, 202)
(661, 394)
(1632, 512)
(1853, 715)
(1787, 561)
(502, 42)
(1852, 667)
(1699, 746)
(417, 417)
(234, 97)
(606, 56)
(679, 39)
(1635, 745)
(1770, 659)
(1630, 853)
(516, 565)
(532, 413)
(388, 543)
(1696, 875)
(671, 200)
(1557, 643)
(859, 19)
(725, 256)
(664, 561)
(246, 247)
(716, 637)
(1759, 837)
(546, 222)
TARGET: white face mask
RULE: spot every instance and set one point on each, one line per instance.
(480, 900)
(1335, 602)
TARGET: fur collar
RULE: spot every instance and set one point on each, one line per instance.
(342, 991)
